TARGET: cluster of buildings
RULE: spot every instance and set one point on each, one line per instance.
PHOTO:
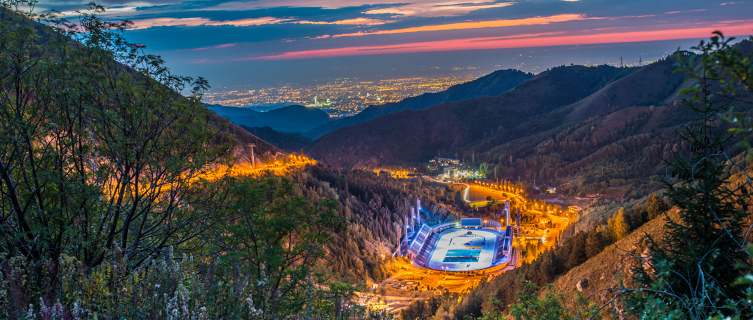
(450, 169)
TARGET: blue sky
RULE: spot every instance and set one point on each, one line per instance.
(267, 42)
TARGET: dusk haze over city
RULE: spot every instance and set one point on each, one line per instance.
(376, 159)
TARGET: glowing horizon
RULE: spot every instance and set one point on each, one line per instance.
(518, 41)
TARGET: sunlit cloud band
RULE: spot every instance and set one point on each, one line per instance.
(520, 41)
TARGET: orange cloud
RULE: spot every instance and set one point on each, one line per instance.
(520, 41)
(478, 25)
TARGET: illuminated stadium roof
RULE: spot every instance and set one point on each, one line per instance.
(471, 222)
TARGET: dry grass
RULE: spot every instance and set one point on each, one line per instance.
(606, 269)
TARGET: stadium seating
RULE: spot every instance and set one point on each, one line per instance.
(426, 249)
(418, 242)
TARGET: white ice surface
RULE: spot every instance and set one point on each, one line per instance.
(485, 259)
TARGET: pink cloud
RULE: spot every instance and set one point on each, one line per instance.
(519, 41)
(477, 25)
(192, 22)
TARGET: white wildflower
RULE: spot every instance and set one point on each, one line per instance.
(45, 312)
(76, 312)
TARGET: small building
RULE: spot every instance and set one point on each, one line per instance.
(574, 209)
(447, 170)
(471, 223)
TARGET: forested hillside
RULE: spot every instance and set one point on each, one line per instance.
(374, 207)
(614, 153)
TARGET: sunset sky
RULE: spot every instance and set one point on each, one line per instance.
(265, 42)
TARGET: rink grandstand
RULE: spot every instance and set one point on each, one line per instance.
(466, 245)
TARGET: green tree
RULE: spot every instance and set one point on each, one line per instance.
(531, 304)
(483, 169)
(618, 225)
(692, 269)
(279, 240)
(98, 150)
(655, 206)
(594, 244)
(577, 252)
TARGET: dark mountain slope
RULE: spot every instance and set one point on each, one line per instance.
(613, 153)
(242, 140)
(288, 119)
(290, 141)
(409, 136)
(492, 84)
(650, 85)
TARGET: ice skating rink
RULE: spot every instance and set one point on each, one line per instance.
(456, 250)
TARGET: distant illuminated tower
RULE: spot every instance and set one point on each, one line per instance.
(405, 219)
(418, 210)
(253, 158)
(507, 210)
(315, 101)
(412, 217)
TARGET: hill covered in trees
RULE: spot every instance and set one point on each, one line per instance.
(129, 183)
(417, 135)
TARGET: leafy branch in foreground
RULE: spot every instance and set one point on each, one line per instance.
(691, 272)
(278, 240)
(98, 149)
(731, 71)
(530, 305)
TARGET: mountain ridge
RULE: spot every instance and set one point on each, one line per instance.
(415, 135)
(295, 118)
(492, 84)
